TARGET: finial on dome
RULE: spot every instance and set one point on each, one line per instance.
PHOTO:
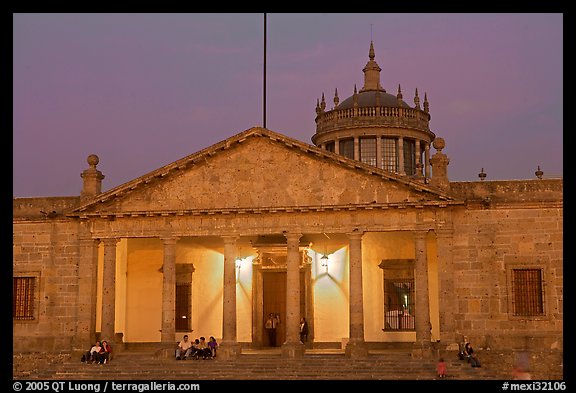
(318, 106)
(417, 99)
(371, 73)
(336, 99)
(355, 96)
(482, 175)
(323, 103)
(426, 104)
(399, 94)
(539, 173)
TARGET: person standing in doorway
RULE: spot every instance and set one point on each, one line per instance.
(303, 330)
(271, 325)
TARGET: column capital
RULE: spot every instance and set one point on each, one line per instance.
(292, 235)
(169, 239)
(420, 233)
(230, 239)
(110, 241)
(355, 235)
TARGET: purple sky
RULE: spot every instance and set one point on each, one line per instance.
(143, 90)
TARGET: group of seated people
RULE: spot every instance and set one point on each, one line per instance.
(198, 349)
(100, 353)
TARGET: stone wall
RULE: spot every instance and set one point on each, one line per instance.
(488, 244)
(506, 191)
(42, 208)
(48, 251)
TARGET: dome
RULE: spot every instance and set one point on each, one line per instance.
(368, 99)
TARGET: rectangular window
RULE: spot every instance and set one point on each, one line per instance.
(23, 298)
(183, 306)
(399, 304)
(347, 148)
(330, 147)
(368, 151)
(389, 156)
(527, 292)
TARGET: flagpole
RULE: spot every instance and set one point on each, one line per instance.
(264, 96)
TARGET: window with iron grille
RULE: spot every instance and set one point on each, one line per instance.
(183, 306)
(368, 151)
(346, 148)
(409, 157)
(23, 298)
(330, 147)
(399, 304)
(389, 156)
(527, 292)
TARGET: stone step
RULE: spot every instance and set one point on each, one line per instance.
(142, 365)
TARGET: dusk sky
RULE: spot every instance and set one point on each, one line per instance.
(144, 90)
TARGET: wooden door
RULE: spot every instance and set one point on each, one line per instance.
(274, 287)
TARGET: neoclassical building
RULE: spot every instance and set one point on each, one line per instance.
(361, 233)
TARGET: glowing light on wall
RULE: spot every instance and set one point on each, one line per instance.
(238, 267)
(243, 268)
(324, 262)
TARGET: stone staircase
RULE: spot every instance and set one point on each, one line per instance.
(142, 364)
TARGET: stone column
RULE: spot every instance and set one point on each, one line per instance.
(168, 336)
(356, 346)
(401, 156)
(85, 334)
(417, 152)
(427, 161)
(379, 152)
(336, 146)
(229, 347)
(293, 347)
(109, 291)
(356, 148)
(422, 319)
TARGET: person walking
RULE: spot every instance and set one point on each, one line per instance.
(441, 368)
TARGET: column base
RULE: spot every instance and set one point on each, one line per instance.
(165, 351)
(423, 351)
(356, 349)
(228, 351)
(292, 350)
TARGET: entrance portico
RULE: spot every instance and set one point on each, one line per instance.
(329, 256)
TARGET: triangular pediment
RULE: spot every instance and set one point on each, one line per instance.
(259, 169)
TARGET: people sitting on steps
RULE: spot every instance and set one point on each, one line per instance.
(99, 353)
(197, 349)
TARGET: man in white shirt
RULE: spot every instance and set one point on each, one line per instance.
(184, 348)
(93, 353)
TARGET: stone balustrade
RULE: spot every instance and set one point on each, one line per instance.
(372, 116)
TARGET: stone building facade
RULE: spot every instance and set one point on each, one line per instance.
(362, 234)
